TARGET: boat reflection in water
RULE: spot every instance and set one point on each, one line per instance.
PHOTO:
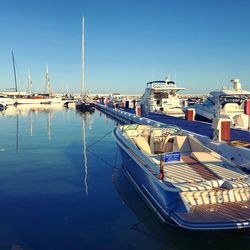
(25, 110)
(86, 123)
(21, 112)
(163, 236)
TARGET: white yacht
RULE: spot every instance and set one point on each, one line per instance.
(225, 103)
(161, 96)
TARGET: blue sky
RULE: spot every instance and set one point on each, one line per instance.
(200, 44)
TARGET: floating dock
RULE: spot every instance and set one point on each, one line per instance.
(239, 154)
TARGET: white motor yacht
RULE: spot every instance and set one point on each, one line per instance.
(161, 96)
(225, 103)
(183, 181)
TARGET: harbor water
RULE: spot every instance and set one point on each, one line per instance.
(62, 187)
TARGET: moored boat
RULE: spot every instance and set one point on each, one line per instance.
(3, 106)
(225, 103)
(85, 106)
(161, 96)
(182, 180)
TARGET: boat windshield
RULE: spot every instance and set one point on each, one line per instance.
(161, 95)
(171, 128)
(233, 99)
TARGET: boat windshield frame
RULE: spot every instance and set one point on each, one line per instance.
(175, 130)
(239, 99)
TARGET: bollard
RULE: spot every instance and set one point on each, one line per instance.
(247, 107)
(122, 104)
(106, 102)
(247, 111)
(190, 114)
(138, 110)
(127, 104)
(116, 106)
(134, 106)
(221, 128)
(102, 100)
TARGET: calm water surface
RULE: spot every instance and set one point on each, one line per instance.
(57, 195)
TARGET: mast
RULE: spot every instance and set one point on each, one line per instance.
(47, 82)
(82, 84)
(29, 83)
(14, 69)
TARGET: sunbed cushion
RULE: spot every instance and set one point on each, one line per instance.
(181, 143)
(216, 165)
(142, 143)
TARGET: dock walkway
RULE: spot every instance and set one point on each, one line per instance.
(198, 127)
(238, 153)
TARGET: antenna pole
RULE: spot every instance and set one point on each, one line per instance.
(14, 69)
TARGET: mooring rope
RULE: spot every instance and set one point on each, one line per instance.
(99, 139)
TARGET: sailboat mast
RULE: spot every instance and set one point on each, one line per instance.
(14, 69)
(29, 83)
(82, 85)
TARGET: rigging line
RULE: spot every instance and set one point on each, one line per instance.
(99, 139)
(18, 73)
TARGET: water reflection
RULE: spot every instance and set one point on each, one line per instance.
(29, 111)
(87, 122)
(170, 237)
(26, 110)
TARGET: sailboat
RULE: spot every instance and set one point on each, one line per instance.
(84, 104)
(47, 97)
(9, 97)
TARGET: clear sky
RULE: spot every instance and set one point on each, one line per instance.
(201, 44)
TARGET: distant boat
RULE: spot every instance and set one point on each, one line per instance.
(85, 104)
(45, 98)
(161, 96)
(2, 106)
(225, 103)
(15, 97)
(183, 181)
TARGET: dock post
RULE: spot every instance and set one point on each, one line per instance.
(190, 114)
(134, 106)
(106, 102)
(138, 110)
(221, 128)
(127, 104)
(247, 112)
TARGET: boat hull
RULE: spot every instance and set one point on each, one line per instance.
(150, 191)
(166, 202)
(85, 107)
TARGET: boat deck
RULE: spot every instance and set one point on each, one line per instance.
(218, 213)
(204, 172)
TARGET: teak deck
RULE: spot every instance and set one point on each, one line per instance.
(223, 212)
